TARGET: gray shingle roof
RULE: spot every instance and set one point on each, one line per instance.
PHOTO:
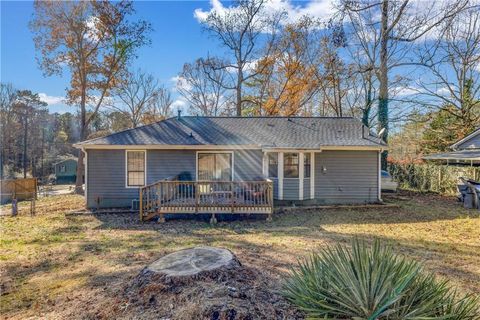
(455, 155)
(275, 132)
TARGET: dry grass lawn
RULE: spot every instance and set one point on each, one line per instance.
(58, 265)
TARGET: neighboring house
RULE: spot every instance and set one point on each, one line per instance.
(464, 152)
(235, 164)
(66, 171)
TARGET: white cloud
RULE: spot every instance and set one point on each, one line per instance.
(321, 9)
(405, 91)
(180, 83)
(51, 100)
(443, 91)
(179, 104)
(91, 25)
(175, 79)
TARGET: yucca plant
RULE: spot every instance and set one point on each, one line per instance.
(372, 282)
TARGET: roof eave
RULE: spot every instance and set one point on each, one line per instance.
(224, 147)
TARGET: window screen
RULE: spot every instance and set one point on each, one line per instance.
(215, 166)
(306, 165)
(290, 165)
(135, 168)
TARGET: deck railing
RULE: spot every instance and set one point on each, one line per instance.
(214, 197)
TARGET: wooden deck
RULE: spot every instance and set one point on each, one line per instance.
(213, 197)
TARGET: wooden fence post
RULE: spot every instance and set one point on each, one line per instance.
(32, 207)
(14, 207)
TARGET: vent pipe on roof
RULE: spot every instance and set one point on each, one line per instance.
(179, 114)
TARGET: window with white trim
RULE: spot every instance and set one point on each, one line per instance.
(272, 165)
(290, 165)
(135, 168)
(214, 167)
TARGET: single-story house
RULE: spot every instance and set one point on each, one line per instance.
(464, 152)
(193, 164)
(66, 171)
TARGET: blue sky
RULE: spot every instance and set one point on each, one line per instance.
(177, 38)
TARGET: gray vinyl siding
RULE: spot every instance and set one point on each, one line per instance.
(275, 187)
(306, 188)
(106, 180)
(162, 164)
(248, 165)
(351, 177)
(106, 172)
(290, 189)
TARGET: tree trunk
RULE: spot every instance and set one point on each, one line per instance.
(2, 158)
(25, 139)
(239, 89)
(368, 103)
(42, 174)
(83, 136)
(383, 79)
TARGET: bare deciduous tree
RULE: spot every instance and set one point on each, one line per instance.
(94, 40)
(384, 30)
(285, 79)
(241, 29)
(136, 93)
(205, 93)
(160, 107)
(452, 83)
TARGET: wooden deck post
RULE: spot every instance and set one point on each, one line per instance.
(140, 208)
(213, 220)
(161, 218)
(197, 196)
(231, 197)
(270, 199)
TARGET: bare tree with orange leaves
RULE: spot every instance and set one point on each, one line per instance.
(94, 41)
(285, 82)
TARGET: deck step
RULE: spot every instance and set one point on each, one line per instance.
(150, 216)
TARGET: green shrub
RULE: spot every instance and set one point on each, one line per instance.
(371, 282)
(431, 177)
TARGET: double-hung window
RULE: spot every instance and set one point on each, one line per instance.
(272, 165)
(215, 167)
(135, 168)
(290, 165)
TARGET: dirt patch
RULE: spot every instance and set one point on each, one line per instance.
(226, 293)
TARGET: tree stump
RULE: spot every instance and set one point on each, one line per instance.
(188, 266)
(203, 283)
